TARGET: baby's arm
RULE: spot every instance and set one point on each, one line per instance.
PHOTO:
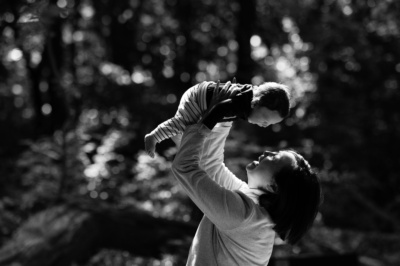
(188, 113)
(171, 128)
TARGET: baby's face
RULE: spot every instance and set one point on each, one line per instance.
(263, 117)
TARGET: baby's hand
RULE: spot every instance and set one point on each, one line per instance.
(150, 145)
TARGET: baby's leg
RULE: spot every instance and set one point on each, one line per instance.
(150, 144)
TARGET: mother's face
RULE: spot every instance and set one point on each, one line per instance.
(260, 173)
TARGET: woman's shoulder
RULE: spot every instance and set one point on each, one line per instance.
(254, 213)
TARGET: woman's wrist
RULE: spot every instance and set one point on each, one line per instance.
(216, 114)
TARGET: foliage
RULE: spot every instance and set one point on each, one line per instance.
(355, 104)
(115, 258)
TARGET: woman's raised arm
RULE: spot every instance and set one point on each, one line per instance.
(225, 208)
(212, 158)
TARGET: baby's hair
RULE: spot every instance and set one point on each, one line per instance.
(273, 96)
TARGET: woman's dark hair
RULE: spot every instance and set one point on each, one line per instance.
(274, 96)
(294, 203)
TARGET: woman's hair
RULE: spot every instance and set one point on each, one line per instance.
(294, 203)
(274, 96)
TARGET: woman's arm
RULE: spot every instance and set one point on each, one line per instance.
(212, 158)
(223, 207)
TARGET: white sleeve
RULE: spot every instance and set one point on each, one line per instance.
(224, 207)
(212, 158)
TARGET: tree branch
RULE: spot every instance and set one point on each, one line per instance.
(75, 232)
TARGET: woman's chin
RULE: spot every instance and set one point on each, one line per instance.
(252, 165)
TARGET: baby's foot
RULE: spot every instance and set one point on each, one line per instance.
(150, 145)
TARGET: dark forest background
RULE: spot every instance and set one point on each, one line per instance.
(82, 82)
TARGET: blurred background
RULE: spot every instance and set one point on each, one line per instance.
(82, 82)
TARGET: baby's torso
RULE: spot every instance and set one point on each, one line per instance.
(243, 94)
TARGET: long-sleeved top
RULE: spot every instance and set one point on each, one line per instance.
(235, 229)
(193, 105)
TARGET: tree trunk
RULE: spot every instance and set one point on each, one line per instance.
(244, 31)
(75, 232)
(48, 70)
(185, 13)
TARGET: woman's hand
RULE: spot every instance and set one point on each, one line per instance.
(220, 105)
(219, 95)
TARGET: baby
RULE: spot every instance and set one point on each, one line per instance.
(263, 105)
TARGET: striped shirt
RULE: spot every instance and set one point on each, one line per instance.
(192, 106)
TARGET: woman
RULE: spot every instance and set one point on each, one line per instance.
(241, 219)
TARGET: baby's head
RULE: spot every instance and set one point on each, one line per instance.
(270, 104)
